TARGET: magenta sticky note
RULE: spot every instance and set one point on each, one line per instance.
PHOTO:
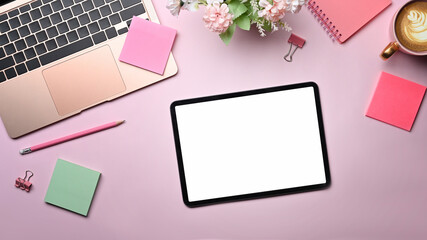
(148, 45)
(396, 101)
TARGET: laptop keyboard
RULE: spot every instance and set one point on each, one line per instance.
(44, 31)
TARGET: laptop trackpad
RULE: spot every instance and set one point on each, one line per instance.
(84, 81)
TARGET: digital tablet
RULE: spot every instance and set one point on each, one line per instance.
(250, 144)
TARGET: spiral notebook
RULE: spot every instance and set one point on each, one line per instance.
(343, 18)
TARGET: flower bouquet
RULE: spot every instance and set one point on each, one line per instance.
(223, 16)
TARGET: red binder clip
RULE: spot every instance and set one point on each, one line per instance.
(24, 183)
(294, 40)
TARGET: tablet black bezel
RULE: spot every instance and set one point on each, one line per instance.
(259, 194)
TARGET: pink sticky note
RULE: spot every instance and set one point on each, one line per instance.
(148, 45)
(396, 101)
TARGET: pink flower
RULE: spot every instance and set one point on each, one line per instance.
(217, 17)
(272, 13)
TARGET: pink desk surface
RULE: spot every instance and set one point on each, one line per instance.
(379, 172)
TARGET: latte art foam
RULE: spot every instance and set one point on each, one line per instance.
(411, 26)
(417, 29)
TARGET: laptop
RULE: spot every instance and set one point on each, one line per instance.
(60, 57)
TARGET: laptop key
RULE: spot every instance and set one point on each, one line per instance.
(30, 53)
(84, 19)
(6, 62)
(111, 33)
(19, 57)
(73, 23)
(93, 28)
(3, 17)
(52, 32)
(61, 40)
(35, 27)
(116, 6)
(99, 37)
(105, 10)
(77, 10)
(128, 3)
(94, 15)
(67, 3)
(14, 23)
(32, 64)
(37, 3)
(114, 19)
(72, 36)
(2, 53)
(104, 23)
(24, 31)
(41, 36)
(13, 13)
(46, 1)
(46, 10)
(133, 11)
(83, 32)
(21, 69)
(66, 51)
(36, 14)
(4, 27)
(13, 35)
(40, 49)
(45, 22)
(25, 18)
(51, 44)
(122, 30)
(9, 49)
(24, 8)
(31, 40)
(10, 73)
(2, 77)
(98, 3)
(3, 39)
(87, 5)
(66, 14)
(55, 18)
(63, 28)
(57, 5)
(20, 45)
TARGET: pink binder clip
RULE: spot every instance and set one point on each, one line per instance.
(24, 183)
(296, 41)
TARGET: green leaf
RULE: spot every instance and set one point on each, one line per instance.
(237, 8)
(227, 35)
(244, 22)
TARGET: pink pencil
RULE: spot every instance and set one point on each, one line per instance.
(70, 137)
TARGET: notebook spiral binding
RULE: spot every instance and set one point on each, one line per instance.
(324, 21)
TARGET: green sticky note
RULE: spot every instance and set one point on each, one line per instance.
(72, 187)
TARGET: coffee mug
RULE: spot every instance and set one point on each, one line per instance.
(409, 27)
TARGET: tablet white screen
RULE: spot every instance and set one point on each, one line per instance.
(250, 144)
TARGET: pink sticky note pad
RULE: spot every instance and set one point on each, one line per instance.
(396, 101)
(148, 45)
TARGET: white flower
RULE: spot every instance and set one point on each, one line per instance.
(190, 5)
(175, 6)
(295, 5)
(210, 2)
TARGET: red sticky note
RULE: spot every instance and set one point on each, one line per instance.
(148, 45)
(396, 101)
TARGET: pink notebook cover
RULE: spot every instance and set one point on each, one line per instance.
(348, 16)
